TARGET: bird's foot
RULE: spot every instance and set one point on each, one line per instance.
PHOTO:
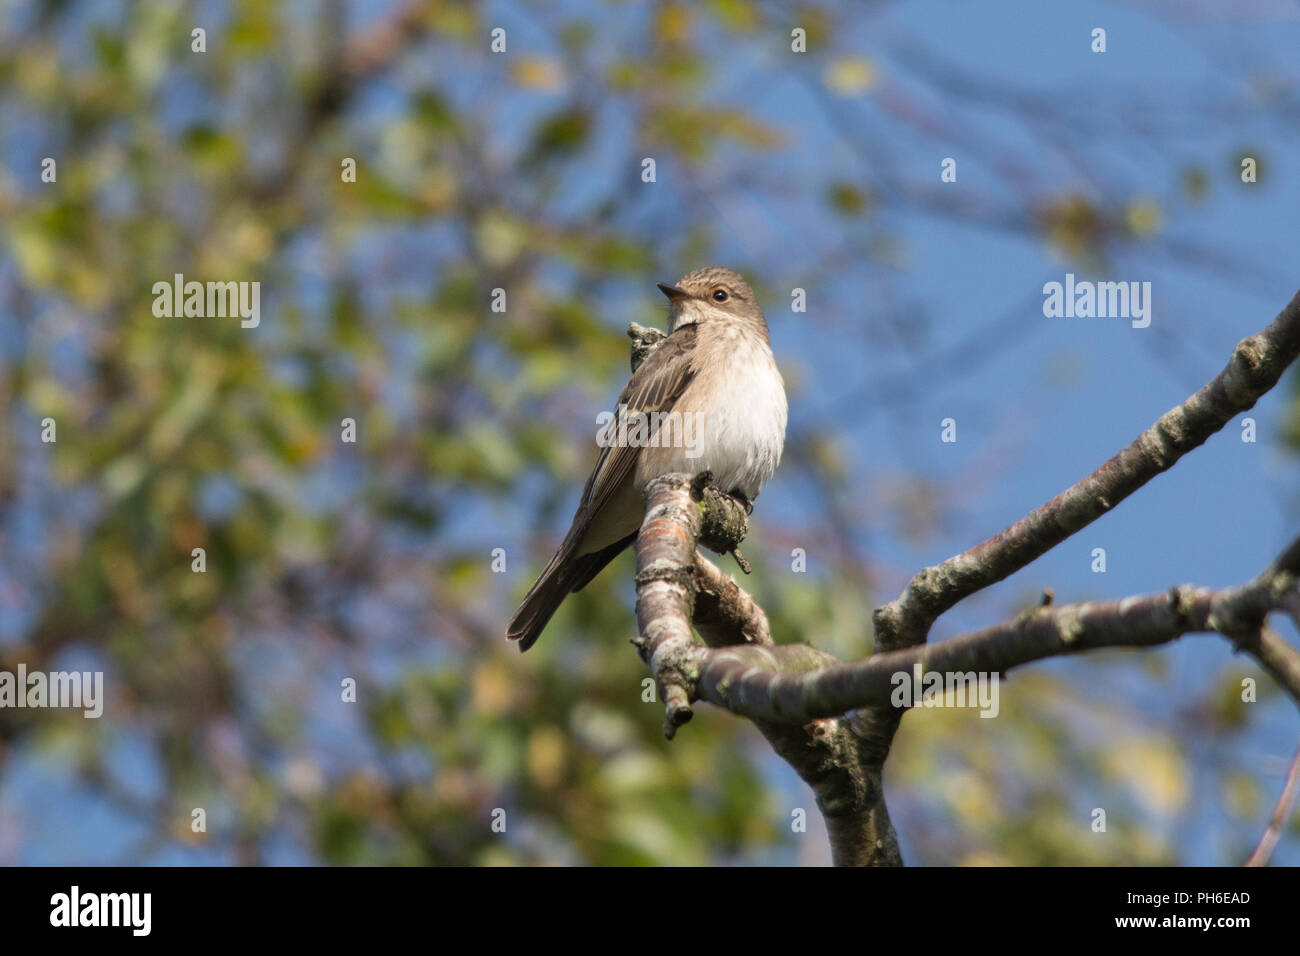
(703, 480)
(739, 495)
(725, 519)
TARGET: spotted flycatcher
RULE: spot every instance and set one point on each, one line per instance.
(708, 398)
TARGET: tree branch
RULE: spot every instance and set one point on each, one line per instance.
(1273, 832)
(665, 594)
(675, 584)
(810, 706)
(835, 722)
(785, 684)
(1255, 366)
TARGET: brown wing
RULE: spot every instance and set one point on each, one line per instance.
(654, 387)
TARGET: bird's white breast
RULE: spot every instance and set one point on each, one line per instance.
(738, 389)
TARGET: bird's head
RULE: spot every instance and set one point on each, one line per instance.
(713, 294)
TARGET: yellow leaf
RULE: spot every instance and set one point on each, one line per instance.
(37, 255)
(499, 238)
(546, 756)
(673, 24)
(1153, 771)
(538, 72)
(1143, 217)
(851, 75)
(493, 692)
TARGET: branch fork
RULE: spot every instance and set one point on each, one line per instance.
(833, 721)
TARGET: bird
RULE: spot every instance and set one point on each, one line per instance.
(716, 370)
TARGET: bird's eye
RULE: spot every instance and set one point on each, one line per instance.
(719, 295)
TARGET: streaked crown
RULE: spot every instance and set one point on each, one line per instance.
(703, 283)
(714, 293)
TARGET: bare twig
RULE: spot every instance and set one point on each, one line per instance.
(1273, 832)
(785, 684)
(724, 611)
(1255, 366)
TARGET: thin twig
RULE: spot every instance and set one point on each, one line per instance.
(1273, 832)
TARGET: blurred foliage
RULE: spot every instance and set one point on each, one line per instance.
(371, 561)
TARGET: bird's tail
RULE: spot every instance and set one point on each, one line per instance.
(542, 601)
(565, 574)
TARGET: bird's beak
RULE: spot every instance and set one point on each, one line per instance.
(673, 292)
